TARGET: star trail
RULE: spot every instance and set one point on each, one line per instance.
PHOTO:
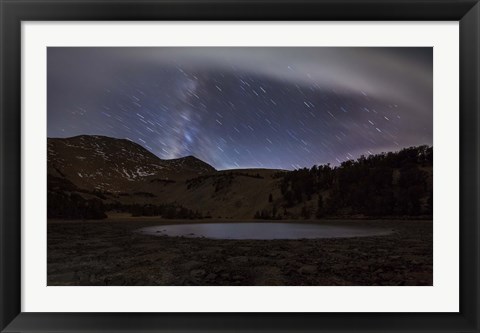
(282, 108)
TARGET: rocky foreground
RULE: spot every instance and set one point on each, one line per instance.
(111, 253)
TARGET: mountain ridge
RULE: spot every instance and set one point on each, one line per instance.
(104, 137)
(106, 163)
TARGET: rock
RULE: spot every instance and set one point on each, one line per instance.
(92, 278)
(307, 269)
(388, 276)
(211, 276)
(218, 269)
(338, 267)
(83, 277)
(192, 265)
(117, 280)
(238, 260)
(197, 273)
(65, 277)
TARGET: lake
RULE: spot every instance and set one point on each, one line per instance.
(262, 231)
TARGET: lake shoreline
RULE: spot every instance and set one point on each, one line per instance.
(241, 230)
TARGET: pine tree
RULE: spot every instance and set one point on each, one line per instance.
(320, 208)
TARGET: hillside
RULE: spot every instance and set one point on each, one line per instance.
(114, 165)
(121, 175)
(89, 176)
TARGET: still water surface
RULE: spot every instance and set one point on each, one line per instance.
(260, 230)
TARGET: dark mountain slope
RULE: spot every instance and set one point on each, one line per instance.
(115, 165)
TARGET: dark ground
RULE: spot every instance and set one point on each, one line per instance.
(110, 253)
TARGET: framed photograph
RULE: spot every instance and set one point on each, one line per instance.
(239, 166)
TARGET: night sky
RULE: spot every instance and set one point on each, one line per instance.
(245, 107)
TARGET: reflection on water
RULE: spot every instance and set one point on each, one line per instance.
(261, 231)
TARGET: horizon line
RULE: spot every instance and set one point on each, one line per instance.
(239, 168)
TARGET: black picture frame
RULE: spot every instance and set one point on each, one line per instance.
(13, 12)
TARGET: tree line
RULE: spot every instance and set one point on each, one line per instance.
(166, 210)
(70, 205)
(387, 184)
